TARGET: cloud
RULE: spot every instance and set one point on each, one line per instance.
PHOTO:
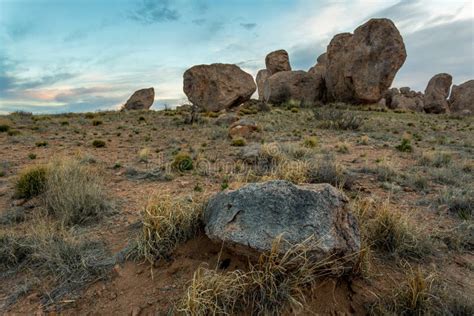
(154, 11)
(199, 22)
(248, 26)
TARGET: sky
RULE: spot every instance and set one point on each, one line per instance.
(87, 55)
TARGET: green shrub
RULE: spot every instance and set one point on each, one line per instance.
(4, 128)
(238, 142)
(332, 118)
(32, 156)
(41, 144)
(182, 162)
(96, 122)
(31, 182)
(13, 132)
(98, 143)
(310, 142)
(405, 145)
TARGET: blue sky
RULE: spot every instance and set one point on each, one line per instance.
(86, 55)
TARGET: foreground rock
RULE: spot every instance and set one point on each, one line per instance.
(262, 75)
(140, 100)
(277, 61)
(436, 93)
(218, 86)
(462, 98)
(362, 66)
(293, 85)
(243, 128)
(320, 68)
(250, 218)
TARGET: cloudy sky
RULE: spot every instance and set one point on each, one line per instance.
(85, 55)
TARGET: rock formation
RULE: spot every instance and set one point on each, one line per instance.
(250, 218)
(405, 99)
(262, 75)
(140, 100)
(217, 86)
(436, 93)
(462, 98)
(293, 85)
(361, 66)
(277, 61)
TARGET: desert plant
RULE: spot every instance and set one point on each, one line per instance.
(97, 143)
(333, 118)
(144, 154)
(271, 286)
(390, 232)
(182, 162)
(97, 122)
(167, 222)
(405, 145)
(326, 170)
(310, 142)
(31, 181)
(74, 193)
(458, 201)
(32, 156)
(238, 142)
(4, 128)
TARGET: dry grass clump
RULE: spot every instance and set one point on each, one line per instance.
(31, 182)
(167, 222)
(389, 231)
(332, 118)
(293, 171)
(74, 193)
(48, 250)
(458, 201)
(435, 159)
(275, 284)
(422, 293)
(327, 170)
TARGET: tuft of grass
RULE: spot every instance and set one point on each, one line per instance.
(97, 122)
(74, 192)
(31, 182)
(435, 159)
(390, 232)
(327, 170)
(458, 201)
(41, 144)
(32, 156)
(311, 142)
(182, 162)
(238, 142)
(97, 143)
(167, 222)
(273, 285)
(144, 155)
(343, 148)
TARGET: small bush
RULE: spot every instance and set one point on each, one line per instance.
(332, 118)
(405, 145)
(458, 201)
(167, 222)
(74, 193)
(32, 156)
(343, 148)
(238, 142)
(144, 154)
(310, 142)
(98, 143)
(97, 122)
(31, 182)
(4, 128)
(182, 162)
(89, 115)
(41, 144)
(326, 170)
(436, 159)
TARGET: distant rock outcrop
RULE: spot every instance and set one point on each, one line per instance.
(277, 61)
(292, 85)
(462, 98)
(405, 99)
(140, 100)
(320, 68)
(436, 93)
(217, 86)
(361, 66)
(262, 75)
(250, 218)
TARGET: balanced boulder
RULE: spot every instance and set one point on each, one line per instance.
(436, 93)
(250, 218)
(217, 86)
(140, 100)
(361, 66)
(262, 75)
(293, 85)
(277, 61)
(320, 68)
(462, 98)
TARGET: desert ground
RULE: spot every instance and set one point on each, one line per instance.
(409, 178)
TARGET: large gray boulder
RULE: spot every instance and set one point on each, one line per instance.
(436, 93)
(292, 85)
(217, 86)
(250, 218)
(140, 100)
(361, 66)
(262, 76)
(277, 61)
(462, 98)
